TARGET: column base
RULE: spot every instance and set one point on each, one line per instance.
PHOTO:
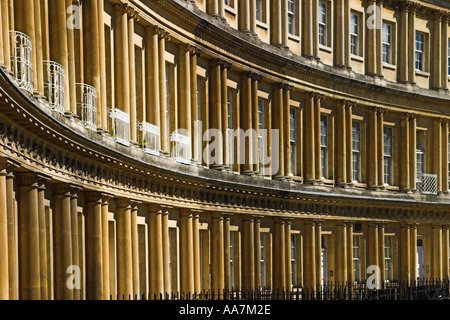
(406, 190)
(279, 178)
(381, 188)
(218, 167)
(342, 185)
(372, 188)
(311, 182)
(249, 173)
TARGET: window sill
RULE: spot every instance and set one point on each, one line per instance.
(262, 25)
(422, 74)
(230, 10)
(325, 48)
(357, 58)
(293, 37)
(389, 66)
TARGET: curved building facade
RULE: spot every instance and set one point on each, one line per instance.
(151, 147)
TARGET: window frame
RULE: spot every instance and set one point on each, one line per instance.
(388, 177)
(291, 16)
(356, 260)
(324, 148)
(389, 259)
(390, 45)
(356, 152)
(356, 36)
(323, 25)
(419, 64)
(293, 133)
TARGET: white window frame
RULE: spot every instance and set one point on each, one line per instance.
(323, 23)
(356, 258)
(324, 150)
(262, 248)
(356, 151)
(292, 140)
(389, 257)
(387, 38)
(355, 37)
(420, 47)
(388, 156)
(291, 8)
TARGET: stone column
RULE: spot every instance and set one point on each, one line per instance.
(445, 159)
(309, 257)
(75, 234)
(163, 36)
(405, 252)
(287, 129)
(156, 251)
(339, 40)
(278, 122)
(404, 154)
(445, 251)
(403, 63)
(436, 49)
(28, 228)
(254, 109)
(38, 67)
(124, 250)
(94, 253)
(379, 39)
(105, 247)
(217, 259)
(309, 139)
(444, 48)
(92, 50)
(5, 34)
(371, 42)
(315, 26)
(341, 140)
(287, 250)
(307, 31)
(43, 240)
(252, 10)
(132, 17)
(244, 19)
(276, 26)
(187, 252)
(102, 98)
(166, 251)
(70, 73)
(317, 112)
(4, 260)
(184, 89)
(197, 138)
(436, 266)
(248, 254)
(412, 151)
(437, 152)
(226, 253)
(226, 66)
(411, 32)
(121, 59)
(212, 7)
(135, 249)
(152, 92)
(372, 126)
(318, 234)
(381, 254)
(413, 250)
(349, 142)
(216, 110)
(13, 265)
(246, 122)
(350, 277)
(257, 244)
(373, 245)
(279, 254)
(196, 242)
(380, 147)
(62, 240)
(341, 253)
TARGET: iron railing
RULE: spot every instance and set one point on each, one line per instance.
(180, 148)
(121, 126)
(427, 184)
(150, 138)
(21, 60)
(54, 85)
(87, 105)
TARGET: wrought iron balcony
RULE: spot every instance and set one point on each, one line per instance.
(427, 183)
(87, 105)
(54, 85)
(21, 60)
(120, 126)
(180, 148)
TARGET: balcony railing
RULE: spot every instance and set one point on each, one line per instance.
(427, 183)
(121, 126)
(181, 148)
(54, 85)
(21, 60)
(87, 105)
(150, 138)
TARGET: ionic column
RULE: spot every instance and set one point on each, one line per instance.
(227, 253)
(349, 142)
(105, 247)
(248, 254)
(413, 250)
(132, 17)
(318, 234)
(163, 36)
(437, 152)
(436, 49)
(403, 63)
(404, 154)
(184, 89)
(350, 277)
(4, 260)
(187, 252)
(278, 122)
(62, 240)
(217, 261)
(405, 252)
(287, 89)
(339, 40)
(317, 112)
(135, 248)
(279, 254)
(444, 48)
(445, 251)
(371, 42)
(102, 99)
(445, 159)
(381, 255)
(6, 49)
(309, 261)
(28, 217)
(246, 123)
(412, 151)
(341, 253)
(309, 139)
(372, 126)
(124, 250)
(156, 251)
(373, 245)
(257, 242)
(380, 147)
(166, 250)
(121, 59)
(341, 140)
(196, 241)
(216, 110)
(287, 259)
(45, 291)
(13, 265)
(411, 32)
(436, 267)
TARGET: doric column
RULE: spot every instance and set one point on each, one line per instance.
(257, 242)
(279, 254)
(413, 251)
(28, 215)
(341, 141)
(350, 277)
(308, 134)
(412, 151)
(135, 248)
(163, 36)
(372, 126)
(62, 240)
(94, 253)
(216, 110)
(373, 245)
(436, 265)
(248, 254)
(226, 253)
(318, 247)
(371, 42)
(166, 250)
(437, 152)
(411, 32)
(436, 49)
(405, 252)
(349, 141)
(196, 243)
(380, 146)
(445, 159)
(339, 34)
(132, 17)
(217, 259)
(246, 123)
(4, 260)
(92, 49)
(105, 247)
(124, 250)
(309, 262)
(404, 154)
(187, 252)
(444, 48)
(156, 251)
(102, 98)
(13, 259)
(381, 254)
(317, 112)
(287, 258)
(121, 59)
(341, 253)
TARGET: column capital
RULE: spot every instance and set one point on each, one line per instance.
(317, 95)
(65, 188)
(254, 76)
(219, 62)
(347, 103)
(285, 86)
(8, 164)
(443, 120)
(93, 196)
(439, 15)
(157, 30)
(121, 8)
(32, 179)
(132, 14)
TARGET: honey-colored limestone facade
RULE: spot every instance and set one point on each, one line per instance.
(105, 111)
